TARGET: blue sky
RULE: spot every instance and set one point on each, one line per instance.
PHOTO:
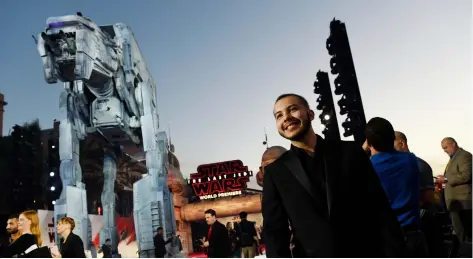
(219, 65)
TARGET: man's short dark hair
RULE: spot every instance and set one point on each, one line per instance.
(108, 239)
(380, 134)
(243, 215)
(302, 99)
(211, 212)
(14, 216)
(160, 228)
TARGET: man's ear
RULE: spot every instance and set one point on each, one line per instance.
(403, 144)
(311, 115)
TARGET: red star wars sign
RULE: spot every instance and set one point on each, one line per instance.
(221, 179)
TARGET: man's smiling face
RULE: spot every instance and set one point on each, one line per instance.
(293, 118)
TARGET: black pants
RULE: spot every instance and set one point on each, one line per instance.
(416, 245)
(465, 217)
(461, 222)
(431, 224)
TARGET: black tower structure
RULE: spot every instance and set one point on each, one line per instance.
(346, 83)
(328, 116)
(54, 180)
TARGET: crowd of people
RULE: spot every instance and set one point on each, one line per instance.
(308, 195)
(25, 238)
(310, 208)
(309, 205)
(160, 250)
(238, 239)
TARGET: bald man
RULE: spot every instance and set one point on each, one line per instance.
(428, 224)
(458, 187)
(269, 156)
(426, 176)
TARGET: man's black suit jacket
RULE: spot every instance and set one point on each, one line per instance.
(219, 242)
(361, 222)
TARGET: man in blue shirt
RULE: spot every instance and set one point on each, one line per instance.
(399, 175)
(397, 171)
(430, 225)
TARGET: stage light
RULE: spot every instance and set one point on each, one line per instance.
(53, 146)
(325, 105)
(51, 174)
(53, 188)
(346, 83)
(54, 202)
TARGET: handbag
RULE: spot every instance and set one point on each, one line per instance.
(36, 252)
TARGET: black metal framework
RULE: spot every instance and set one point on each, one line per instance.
(328, 116)
(346, 83)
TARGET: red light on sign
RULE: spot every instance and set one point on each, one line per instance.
(221, 179)
(99, 210)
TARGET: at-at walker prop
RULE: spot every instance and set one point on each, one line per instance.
(109, 90)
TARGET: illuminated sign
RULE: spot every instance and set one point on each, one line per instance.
(221, 179)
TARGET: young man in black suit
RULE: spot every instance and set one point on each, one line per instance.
(217, 241)
(328, 191)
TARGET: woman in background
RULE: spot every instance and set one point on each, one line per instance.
(30, 239)
(70, 246)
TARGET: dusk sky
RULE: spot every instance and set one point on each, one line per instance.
(219, 65)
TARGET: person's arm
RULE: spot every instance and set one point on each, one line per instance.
(427, 175)
(464, 172)
(426, 183)
(79, 248)
(238, 231)
(254, 235)
(378, 208)
(275, 219)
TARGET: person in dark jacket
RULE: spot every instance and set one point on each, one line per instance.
(29, 243)
(249, 237)
(309, 186)
(106, 249)
(20, 246)
(160, 244)
(217, 241)
(399, 173)
(12, 228)
(234, 236)
(70, 246)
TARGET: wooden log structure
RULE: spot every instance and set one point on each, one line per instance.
(228, 206)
